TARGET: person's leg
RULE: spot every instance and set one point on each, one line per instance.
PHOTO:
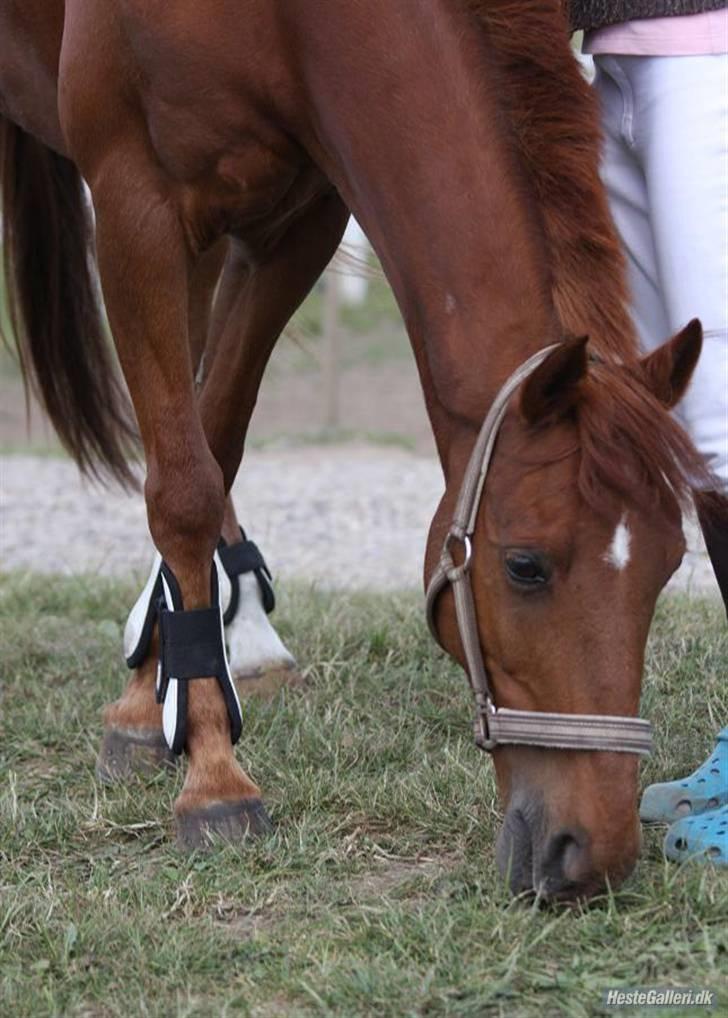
(713, 516)
(682, 138)
(624, 180)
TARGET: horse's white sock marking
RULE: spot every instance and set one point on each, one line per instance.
(618, 552)
(255, 646)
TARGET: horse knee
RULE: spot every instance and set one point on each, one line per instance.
(185, 508)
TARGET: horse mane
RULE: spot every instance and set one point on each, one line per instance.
(554, 117)
(630, 444)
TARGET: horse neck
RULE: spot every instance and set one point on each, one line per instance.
(427, 166)
(555, 118)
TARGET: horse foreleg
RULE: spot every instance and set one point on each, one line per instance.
(138, 228)
(260, 663)
(263, 303)
(259, 660)
(266, 299)
(133, 740)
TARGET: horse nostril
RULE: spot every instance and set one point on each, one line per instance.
(565, 861)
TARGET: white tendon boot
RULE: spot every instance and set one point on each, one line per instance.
(257, 653)
(259, 661)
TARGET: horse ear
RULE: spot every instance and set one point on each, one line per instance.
(553, 388)
(668, 369)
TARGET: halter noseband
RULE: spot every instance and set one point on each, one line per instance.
(501, 726)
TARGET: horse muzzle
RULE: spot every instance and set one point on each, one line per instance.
(562, 861)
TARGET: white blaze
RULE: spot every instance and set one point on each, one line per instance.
(618, 552)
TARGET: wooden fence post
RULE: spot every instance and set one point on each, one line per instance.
(332, 341)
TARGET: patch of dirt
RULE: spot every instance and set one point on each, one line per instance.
(245, 923)
(391, 874)
(385, 878)
(276, 1007)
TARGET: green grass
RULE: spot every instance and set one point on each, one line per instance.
(377, 895)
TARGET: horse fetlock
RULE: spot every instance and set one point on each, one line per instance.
(218, 798)
(133, 742)
(194, 681)
(130, 752)
(213, 773)
(137, 708)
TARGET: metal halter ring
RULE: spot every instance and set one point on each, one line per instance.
(456, 570)
(484, 709)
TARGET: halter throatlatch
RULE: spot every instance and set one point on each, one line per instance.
(501, 726)
(191, 646)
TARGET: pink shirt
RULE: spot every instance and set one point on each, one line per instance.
(685, 35)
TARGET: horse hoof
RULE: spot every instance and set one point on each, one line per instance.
(132, 752)
(265, 684)
(231, 821)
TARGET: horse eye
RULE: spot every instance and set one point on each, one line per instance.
(527, 569)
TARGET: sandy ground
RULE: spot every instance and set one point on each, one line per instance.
(338, 516)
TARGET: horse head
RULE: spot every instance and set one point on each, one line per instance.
(578, 530)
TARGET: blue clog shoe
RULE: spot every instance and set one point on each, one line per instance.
(703, 838)
(705, 789)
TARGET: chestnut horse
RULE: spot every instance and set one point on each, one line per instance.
(476, 181)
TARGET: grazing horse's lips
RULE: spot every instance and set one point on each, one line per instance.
(558, 865)
(514, 851)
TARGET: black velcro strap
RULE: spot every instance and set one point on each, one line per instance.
(238, 559)
(191, 644)
(243, 557)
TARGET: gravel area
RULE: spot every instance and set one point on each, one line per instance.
(338, 516)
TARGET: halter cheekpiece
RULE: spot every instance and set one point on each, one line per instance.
(495, 726)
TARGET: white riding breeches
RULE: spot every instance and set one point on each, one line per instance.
(665, 166)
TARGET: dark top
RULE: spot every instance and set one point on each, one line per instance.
(598, 13)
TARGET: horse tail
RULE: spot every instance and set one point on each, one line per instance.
(54, 306)
(555, 119)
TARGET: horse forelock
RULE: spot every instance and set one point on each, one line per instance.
(631, 445)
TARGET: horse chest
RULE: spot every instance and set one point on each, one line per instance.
(235, 172)
(251, 193)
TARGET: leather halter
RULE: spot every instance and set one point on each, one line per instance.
(502, 726)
